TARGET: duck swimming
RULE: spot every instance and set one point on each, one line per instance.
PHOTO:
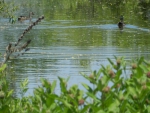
(22, 18)
(121, 23)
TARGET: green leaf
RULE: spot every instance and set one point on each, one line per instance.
(53, 86)
(146, 62)
(10, 93)
(140, 60)
(4, 109)
(110, 61)
(147, 109)
(104, 80)
(67, 79)
(139, 72)
(145, 69)
(114, 106)
(123, 106)
(87, 87)
(3, 67)
(132, 109)
(63, 85)
(51, 98)
(65, 103)
(131, 91)
(37, 97)
(115, 57)
(98, 74)
(93, 97)
(24, 83)
(80, 96)
(85, 109)
(103, 67)
(118, 74)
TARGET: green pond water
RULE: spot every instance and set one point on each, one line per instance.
(75, 36)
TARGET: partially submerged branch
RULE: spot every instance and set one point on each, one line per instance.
(10, 49)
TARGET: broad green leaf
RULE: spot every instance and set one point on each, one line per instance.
(50, 99)
(53, 106)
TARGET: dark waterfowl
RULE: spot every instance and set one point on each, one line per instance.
(121, 23)
(22, 18)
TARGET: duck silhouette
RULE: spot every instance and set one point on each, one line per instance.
(23, 18)
(121, 23)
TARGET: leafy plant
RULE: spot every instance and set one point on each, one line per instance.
(120, 87)
(116, 92)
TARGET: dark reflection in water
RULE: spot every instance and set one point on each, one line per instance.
(73, 39)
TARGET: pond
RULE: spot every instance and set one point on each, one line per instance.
(76, 36)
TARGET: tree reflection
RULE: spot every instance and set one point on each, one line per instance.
(144, 8)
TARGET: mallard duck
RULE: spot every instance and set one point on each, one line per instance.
(22, 18)
(121, 23)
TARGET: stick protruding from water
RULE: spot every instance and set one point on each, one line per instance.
(11, 49)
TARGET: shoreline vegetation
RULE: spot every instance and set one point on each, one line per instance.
(129, 92)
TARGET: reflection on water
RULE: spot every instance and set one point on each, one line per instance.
(62, 47)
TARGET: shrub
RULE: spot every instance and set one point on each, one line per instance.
(116, 88)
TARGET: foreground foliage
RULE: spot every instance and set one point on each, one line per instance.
(120, 87)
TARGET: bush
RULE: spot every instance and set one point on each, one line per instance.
(120, 87)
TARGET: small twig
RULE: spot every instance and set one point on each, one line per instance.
(28, 29)
(27, 49)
